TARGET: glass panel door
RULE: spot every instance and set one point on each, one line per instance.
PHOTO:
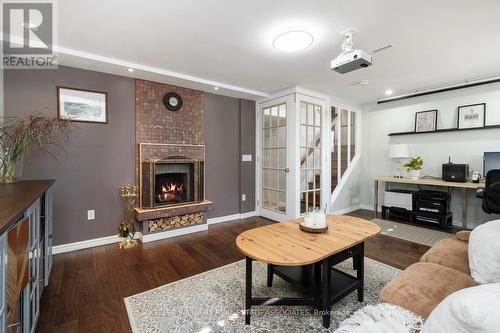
(310, 156)
(274, 158)
(343, 144)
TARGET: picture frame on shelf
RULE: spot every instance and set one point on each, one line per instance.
(426, 121)
(472, 116)
(82, 105)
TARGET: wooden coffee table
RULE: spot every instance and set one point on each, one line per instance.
(306, 260)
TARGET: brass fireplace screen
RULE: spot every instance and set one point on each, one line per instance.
(172, 180)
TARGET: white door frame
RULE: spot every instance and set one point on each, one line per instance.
(325, 189)
(291, 147)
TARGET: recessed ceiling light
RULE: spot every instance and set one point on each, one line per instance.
(294, 40)
(388, 92)
(131, 70)
(216, 88)
(362, 83)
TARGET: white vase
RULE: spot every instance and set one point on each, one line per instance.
(414, 174)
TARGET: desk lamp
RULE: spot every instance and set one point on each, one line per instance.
(398, 152)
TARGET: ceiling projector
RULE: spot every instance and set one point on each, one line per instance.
(350, 59)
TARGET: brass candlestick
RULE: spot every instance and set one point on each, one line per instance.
(128, 194)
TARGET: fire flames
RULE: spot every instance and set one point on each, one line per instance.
(172, 191)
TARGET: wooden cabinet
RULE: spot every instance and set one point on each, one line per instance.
(25, 253)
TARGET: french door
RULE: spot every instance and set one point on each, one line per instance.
(276, 163)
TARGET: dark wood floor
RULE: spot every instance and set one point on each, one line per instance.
(87, 287)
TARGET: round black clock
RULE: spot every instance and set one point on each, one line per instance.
(172, 101)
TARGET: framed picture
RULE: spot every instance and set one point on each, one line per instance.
(82, 105)
(426, 121)
(472, 116)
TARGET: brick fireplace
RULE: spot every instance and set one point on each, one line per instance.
(170, 159)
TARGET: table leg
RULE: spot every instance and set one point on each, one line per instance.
(248, 287)
(375, 199)
(317, 284)
(464, 208)
(360, 274)
(325, 286)
(270, 273)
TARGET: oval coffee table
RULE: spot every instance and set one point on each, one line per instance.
(306, 260)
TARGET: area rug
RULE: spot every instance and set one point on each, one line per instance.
(214, 302)
(412, 233)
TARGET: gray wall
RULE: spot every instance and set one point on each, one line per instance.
(229, 133)
(247, 147)
(100, 158)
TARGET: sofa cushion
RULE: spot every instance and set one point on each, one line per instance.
(451, 253)
(470, 310)
(484, 252)
(422, 286)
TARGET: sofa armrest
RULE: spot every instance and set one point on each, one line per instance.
(463, 235)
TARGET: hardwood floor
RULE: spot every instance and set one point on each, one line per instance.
(87, 287)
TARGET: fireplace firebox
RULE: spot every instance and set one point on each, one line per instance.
(171, 181)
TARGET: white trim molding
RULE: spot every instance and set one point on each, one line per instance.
(346, 210)
(232, 217)
(370, 207)
(171, 233)
(57, 249)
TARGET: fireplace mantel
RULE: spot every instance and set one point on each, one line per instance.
(146, 214)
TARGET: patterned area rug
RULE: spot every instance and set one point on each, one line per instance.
(412, 233)
(213, 302)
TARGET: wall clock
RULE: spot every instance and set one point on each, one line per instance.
(172, 101)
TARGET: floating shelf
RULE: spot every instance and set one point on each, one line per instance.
(446, 130)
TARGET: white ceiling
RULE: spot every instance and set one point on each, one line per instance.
(229, 42)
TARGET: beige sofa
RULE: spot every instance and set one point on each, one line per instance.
(441, 271)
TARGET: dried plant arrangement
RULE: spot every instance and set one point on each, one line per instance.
(19, 136)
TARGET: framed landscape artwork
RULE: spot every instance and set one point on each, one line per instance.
(82, 105)
(472, 116)
(426, 121)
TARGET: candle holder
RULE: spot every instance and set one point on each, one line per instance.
(128, 194)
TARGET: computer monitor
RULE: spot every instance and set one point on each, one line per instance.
(491, 161)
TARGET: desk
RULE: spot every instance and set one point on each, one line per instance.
(306, 260)
(428, 182)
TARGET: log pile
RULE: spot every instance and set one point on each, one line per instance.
(174, 222)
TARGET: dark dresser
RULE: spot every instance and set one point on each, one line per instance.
(25, 252)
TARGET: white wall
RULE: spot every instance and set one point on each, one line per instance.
(464, 147)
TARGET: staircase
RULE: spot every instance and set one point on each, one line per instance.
(343, 165)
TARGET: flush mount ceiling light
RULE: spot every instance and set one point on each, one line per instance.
(131, 70)
(293, 40)
(388, 92)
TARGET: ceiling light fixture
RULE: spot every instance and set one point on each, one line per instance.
(362, 83)
(216, 88)
(294, 40)
(131, 70)
(388, 92)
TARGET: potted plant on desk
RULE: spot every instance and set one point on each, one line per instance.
(414, 167)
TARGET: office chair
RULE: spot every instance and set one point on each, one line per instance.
(491, 192)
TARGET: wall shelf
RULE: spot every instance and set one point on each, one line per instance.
(445, 130)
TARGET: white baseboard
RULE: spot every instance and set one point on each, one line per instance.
(172, 233)
(57, 249)
(149, 237)
(232, 217)
(346, 210)
(369, 207)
